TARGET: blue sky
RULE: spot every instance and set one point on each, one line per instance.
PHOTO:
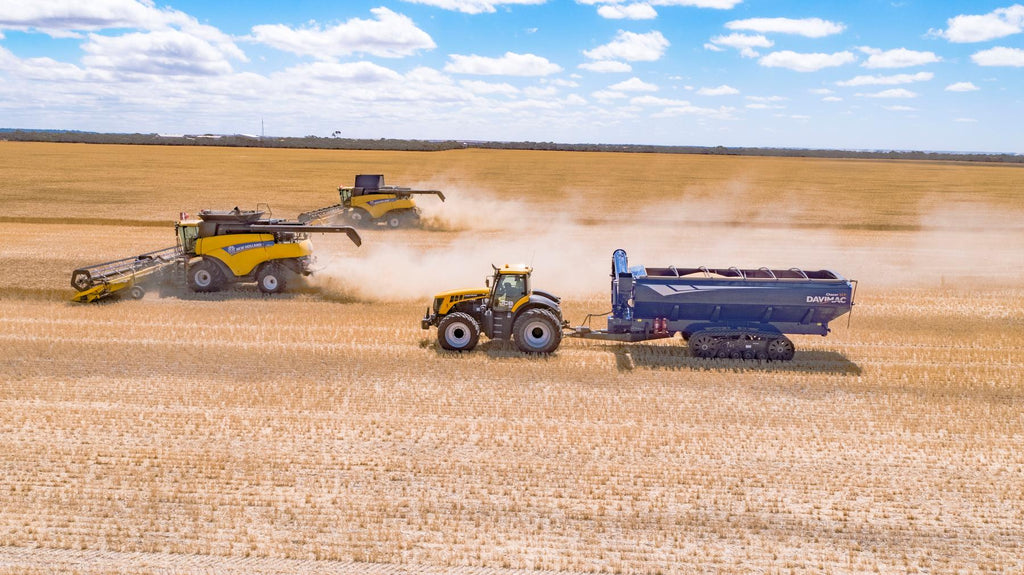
(907, 74)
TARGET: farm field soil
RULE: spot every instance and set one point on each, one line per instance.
(324, 431)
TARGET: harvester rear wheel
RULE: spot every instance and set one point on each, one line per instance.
(537, 331)
(270, 278)
(205, 276)
(781, 349)
(458, 332)
(394, 220)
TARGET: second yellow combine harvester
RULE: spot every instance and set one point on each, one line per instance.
(214, 250)
(369, 202)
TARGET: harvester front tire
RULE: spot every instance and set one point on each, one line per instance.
(136, 292)
(358, 217)
(270, 278)
(205, 276)
(458, 332)
(537, 331)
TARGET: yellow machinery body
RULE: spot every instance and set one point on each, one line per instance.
(242, 253)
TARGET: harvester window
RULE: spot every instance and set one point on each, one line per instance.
(509, 290)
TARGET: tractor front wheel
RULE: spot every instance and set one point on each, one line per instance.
(537, 331)
(458, 332)
(270, 278)
(205, 276)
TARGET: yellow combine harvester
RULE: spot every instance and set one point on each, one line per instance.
(370, 202)
(214, 250)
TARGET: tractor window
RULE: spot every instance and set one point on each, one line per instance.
(508, 290)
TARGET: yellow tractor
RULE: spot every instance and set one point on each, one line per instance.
(369, 202)
(508, 308)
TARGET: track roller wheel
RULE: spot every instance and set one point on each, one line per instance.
(703, 345)
(537, 331)
(458, 332)
(205, 276)
(781, 349)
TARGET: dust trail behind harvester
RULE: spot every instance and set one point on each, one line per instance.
(571, 254)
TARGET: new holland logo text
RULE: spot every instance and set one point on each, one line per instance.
(827, 298)
(247, 246)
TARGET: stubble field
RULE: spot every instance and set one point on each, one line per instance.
(324, 431)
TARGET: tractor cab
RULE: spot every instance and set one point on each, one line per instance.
(510, 286)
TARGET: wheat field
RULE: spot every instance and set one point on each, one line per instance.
(323, 431)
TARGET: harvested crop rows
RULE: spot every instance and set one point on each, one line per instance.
(324, 431)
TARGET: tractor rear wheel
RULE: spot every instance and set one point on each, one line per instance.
(458, 332)
(537, 331)
(270, 279)
(205, 276)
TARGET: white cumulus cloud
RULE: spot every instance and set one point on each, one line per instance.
(511, 64)
(473, 6)
(722, 90)
(980, 28)
(893, 93)
(63, 17)
(634, 85)
(742, 42)
(999, 56)
(606, 66)
(390, 35)
(163, 52)
(809, 27)
(898, 58)
(887, 80)
(627, 11)
(962, 87)
(806, 62)
(631, 47)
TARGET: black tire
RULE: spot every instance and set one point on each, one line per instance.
(458, 332)
(704, 345)
(394, 220)
(271, 278)
(359, 217)
(81, 280)
(136, 292)
(537, 331)
(781, 349)
(205, 276)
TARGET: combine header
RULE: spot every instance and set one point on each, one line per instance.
(370, 202)
(217, 249)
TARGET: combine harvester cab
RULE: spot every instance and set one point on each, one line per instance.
(725, 312)
(370, 202)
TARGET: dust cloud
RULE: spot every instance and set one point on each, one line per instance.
(571, 254)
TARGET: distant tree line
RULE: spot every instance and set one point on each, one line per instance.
(338, 143)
